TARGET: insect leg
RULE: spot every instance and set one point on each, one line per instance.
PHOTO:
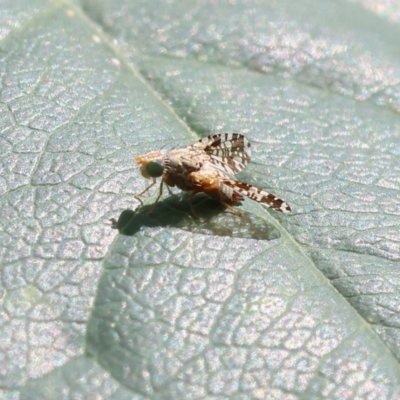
(226, 204)
(137, 195)
(158, 198)
(231, 209)
(195, 216)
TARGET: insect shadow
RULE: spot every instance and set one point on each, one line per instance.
(214, 219)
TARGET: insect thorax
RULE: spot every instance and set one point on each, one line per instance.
(179, 164)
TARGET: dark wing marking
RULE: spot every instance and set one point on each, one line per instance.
(258, 195)
(228, 152)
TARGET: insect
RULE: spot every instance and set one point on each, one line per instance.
(206, 166)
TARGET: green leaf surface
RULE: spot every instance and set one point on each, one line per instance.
(265, 306)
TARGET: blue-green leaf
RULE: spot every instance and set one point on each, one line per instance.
(265, 306)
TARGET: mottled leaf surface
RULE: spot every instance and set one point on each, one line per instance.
(298, 306)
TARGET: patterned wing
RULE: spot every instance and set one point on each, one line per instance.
(258, 195)
(228, 152)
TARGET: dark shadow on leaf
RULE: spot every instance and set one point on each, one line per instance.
(214, 219)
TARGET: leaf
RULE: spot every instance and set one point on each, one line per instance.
(180, 310)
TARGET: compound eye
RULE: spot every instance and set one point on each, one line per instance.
(154, 169)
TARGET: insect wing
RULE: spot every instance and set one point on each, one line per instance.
(257, 194)
(228, 152)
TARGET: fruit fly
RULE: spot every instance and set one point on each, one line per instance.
(207, 166)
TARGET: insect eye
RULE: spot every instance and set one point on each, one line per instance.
(154, 169)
